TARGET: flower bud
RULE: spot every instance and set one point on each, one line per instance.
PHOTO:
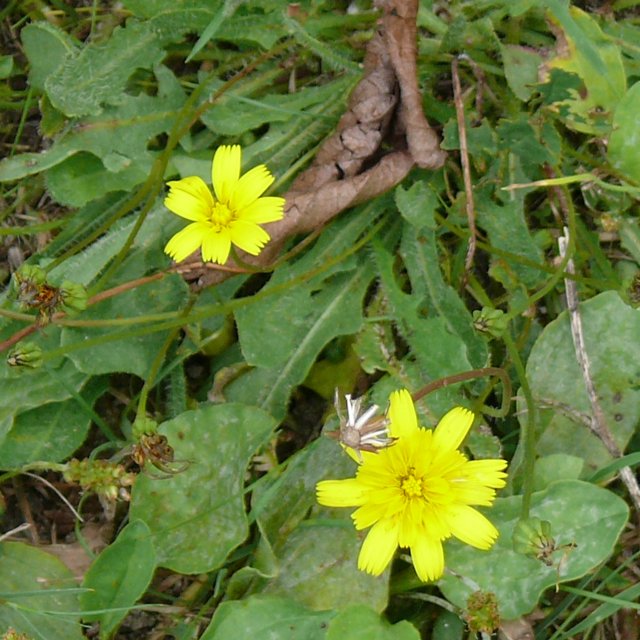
(490, 321)
(25, 354)
(73, 295)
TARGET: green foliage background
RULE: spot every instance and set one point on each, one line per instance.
(126, 97)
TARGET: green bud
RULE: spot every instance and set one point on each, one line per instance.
(74, 295)
(25, 354)
(32, 273)
(532, 536)
(491, 321)
(143, 426)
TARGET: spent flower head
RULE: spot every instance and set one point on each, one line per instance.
(231, 215)
(418, 492)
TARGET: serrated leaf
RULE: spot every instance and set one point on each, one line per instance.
(118, 577)
(317, 311)
(98, 75)
(579, 512)
(507, 229)
(123, 131)
(197, 516)
(50, 608)
(267, 617)
(521, 69)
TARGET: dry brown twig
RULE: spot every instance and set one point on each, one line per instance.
(384, 106)
(466, 171)
(598, 419)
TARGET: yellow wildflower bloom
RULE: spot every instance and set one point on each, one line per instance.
(233, 215)
(418, 492)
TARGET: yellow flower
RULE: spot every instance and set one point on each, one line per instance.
(232, 216)
(418, 492)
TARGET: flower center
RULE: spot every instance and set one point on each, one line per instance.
(411, 486)
(221, 215)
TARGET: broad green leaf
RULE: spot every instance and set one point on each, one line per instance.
(98, 75)
(579, 512)
(23, 390)
(113, 350)
(316, 558)
(118, 577)
(267, 617)
(361, 623)
(197, 516)
(38, 594)
(624, 142)
(557, 466)
(46, 47)
(612, 342)
(50, 432)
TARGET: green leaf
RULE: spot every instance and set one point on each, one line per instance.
(317, 310)
(583, 49)
(39, 594)
(46, 47)
(316, 559)
(236, 113)
(119, 138)
(521, 69)
(118, 577)
(98, 75)
(197, 516)
(50, 432)
(23, 390)
(267, 617)
(579, 512)
(612, 342)
(507, 229)
(122, 352)
(624, 150)
(361, 623)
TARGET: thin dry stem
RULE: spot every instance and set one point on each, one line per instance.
(598, 418)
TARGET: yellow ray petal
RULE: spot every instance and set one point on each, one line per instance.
(185, 242)
(402, 414)
(216, 246)
(471, 527)
(266, 209)
(248, 236)
(428, 558)
(225, 171)
(189, 198)
(452, 429)
(340, 493)
(249, 188)
(378, 547)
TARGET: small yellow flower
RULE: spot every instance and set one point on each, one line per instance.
(232, 216)
(418, 492)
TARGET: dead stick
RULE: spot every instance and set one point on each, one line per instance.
(598, 419)
(466, 170)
